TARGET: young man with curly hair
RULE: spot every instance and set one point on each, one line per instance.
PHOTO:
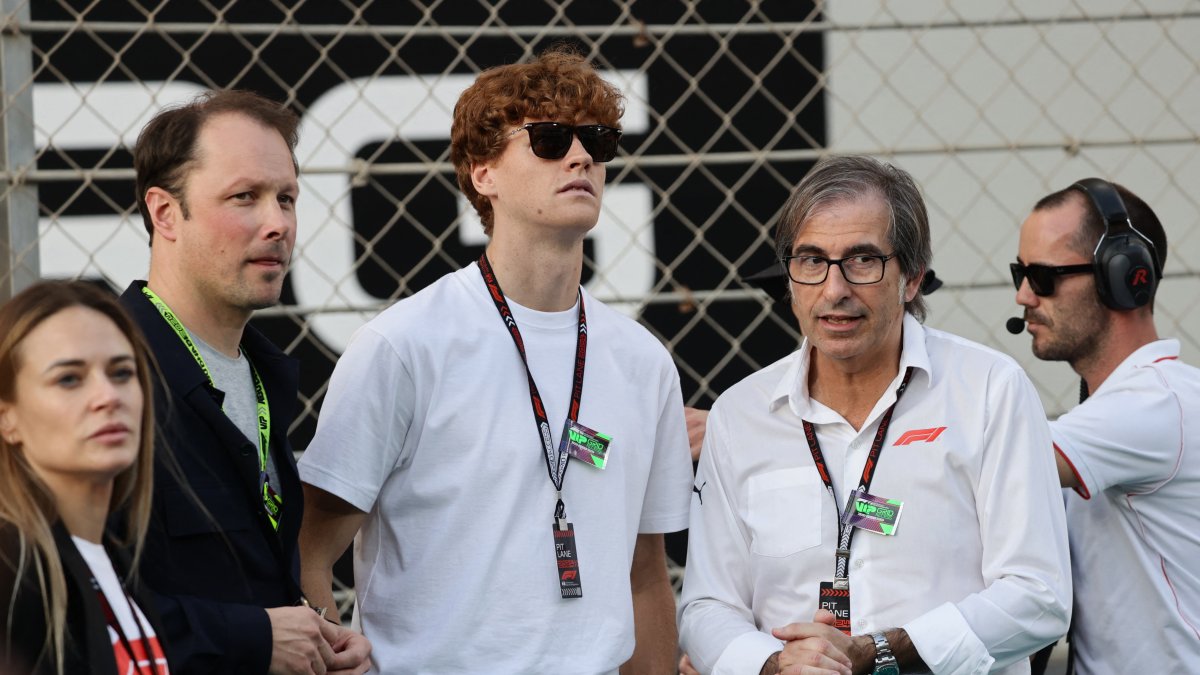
(451, 421)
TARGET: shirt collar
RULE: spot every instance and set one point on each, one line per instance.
(792, 387)
(1147, 354)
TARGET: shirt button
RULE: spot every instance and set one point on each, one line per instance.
(861, 623)
(859, 563)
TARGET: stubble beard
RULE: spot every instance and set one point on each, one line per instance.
(253, 290)
(1075, 335)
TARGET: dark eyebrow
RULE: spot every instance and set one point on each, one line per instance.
(243, 184)
(864, 249)
(78, 363)
(857, 249)
(1046, 264)
(64, 363)
(809, 249)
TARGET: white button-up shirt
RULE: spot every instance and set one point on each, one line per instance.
(1135, 543)
(977, 572)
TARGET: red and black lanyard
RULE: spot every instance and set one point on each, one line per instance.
(845, 532)
(556, 460)
(111, 617)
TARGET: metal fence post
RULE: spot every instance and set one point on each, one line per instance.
(18, 198)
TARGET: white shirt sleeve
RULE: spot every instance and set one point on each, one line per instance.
(363, 422)
(716, 624)
(1129, 436)
(665, 507)
(1027, 599)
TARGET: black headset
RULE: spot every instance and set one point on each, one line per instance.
(1125, 262)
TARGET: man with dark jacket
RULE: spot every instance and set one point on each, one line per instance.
(217, 187)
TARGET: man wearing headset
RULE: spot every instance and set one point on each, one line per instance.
(1090, 259)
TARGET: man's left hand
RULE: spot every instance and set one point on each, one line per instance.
(814, 647)
(351, 650)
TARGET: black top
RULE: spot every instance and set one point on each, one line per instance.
(87, 649)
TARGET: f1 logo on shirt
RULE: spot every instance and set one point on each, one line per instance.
(927, 435)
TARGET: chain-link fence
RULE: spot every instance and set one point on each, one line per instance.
(989, 105)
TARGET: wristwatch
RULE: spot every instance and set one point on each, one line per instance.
(885, 661)
(319, 610)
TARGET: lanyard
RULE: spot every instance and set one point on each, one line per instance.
(111, 617)
(271, 499)
(845, 532)
(556, 460)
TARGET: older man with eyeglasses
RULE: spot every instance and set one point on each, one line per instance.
(1089, 263)
(799, 559)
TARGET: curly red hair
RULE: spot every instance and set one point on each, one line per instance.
(559, 85)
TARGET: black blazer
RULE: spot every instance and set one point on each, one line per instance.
(216, 563)
(88, 648)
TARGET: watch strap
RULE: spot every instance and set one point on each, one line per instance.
(885, 660)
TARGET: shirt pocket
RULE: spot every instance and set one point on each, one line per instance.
(784, 512)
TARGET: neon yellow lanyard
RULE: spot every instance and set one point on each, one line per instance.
(272, 501)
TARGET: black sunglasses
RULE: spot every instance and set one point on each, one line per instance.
(551, 140)
(1043, 277)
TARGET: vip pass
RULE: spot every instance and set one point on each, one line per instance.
(587, 445)
(871, 513)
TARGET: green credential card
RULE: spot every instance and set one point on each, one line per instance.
(587, 445)
(875, 514)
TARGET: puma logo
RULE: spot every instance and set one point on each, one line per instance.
(699, 492)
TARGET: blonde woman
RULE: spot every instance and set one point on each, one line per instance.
(75, 445)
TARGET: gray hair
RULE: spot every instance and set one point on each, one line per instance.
(848, 178)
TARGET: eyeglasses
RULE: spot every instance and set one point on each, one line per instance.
(552, 140)
(1042, 278)
(856, 269)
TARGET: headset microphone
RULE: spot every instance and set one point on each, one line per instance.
(1015, 325)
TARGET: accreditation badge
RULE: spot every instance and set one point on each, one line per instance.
(835, 597)
(586, 445)
(567, 559)
(874, 514)
(272, 502)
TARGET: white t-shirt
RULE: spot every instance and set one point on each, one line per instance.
(428, 427)
(1134, 525)
(977, 571)
(139, 632)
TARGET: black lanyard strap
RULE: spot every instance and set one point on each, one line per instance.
(845, 532)
(111, 618)
(556, 459)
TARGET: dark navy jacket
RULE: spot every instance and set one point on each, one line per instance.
(211, 556)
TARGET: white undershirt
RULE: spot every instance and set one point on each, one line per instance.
(139, 633)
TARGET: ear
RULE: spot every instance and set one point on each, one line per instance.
(8, 423)
(484, 179)
(165, 212)
(913, 286)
